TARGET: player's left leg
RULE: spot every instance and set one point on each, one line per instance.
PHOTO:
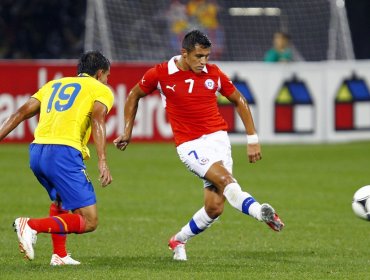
(242, 201)
(223, 180)
(82, 220)
(210, 158)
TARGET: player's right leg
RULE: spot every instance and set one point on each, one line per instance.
(67, 260)
(197, 224)
(202, 219)
(60, 255)
(58, 240)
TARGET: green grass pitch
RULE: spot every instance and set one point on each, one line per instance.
(153, 195)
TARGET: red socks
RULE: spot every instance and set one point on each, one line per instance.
(59, 240)
(63, 223)
(58, 224)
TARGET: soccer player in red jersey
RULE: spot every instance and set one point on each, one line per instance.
(188, 87)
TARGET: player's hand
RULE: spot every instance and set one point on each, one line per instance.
(105, 177)
(121, 142)
(254, 152)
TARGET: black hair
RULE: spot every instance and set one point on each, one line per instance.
(285, 35)
(193, 38)
(92, 61)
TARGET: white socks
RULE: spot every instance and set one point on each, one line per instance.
(242, 201)
(197, 224)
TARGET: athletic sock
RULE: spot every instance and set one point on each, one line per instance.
(59, 240)
(64, 223)
(196, 225)
(242, 201)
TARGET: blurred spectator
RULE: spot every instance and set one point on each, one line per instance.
(281, 51)
(195, 14)
(178, 23)
(41, 28)
(203, 16)
(203, 13)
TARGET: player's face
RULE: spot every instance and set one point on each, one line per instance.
(197, 58)
(103, 76)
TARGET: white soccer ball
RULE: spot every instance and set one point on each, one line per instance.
(361, 203)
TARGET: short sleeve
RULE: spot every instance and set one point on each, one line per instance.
(226, 85)
(106, 97)
(40, 93)
(149, 82)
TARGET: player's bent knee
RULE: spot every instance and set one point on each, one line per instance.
(91, 227)
(89, 216)
(226, 180)
(214, 211)
(91, 224)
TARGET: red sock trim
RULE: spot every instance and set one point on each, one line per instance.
(56, 210)
(82, 224)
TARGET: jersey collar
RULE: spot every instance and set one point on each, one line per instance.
(83, 75)
(172, 68)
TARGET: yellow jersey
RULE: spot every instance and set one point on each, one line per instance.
(65, 112)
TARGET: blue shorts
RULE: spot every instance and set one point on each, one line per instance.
(62, 172)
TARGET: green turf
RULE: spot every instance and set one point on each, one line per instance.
(153, 195)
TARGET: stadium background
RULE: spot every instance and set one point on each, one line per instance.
(322, 96)
(320, 100)
(56, 29)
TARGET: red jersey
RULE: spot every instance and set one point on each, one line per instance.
(190, 99)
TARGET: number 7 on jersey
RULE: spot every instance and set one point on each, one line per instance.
(191, 84)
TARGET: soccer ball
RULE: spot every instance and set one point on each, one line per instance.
(361, 203)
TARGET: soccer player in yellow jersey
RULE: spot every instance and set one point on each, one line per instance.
(70, 110)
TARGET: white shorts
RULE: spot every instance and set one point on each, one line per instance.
(198, 155)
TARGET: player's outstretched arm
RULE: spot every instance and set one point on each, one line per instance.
(99, 134)
(241, 104)
(130, 110)
(26, 111)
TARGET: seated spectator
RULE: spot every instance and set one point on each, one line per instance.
(281, 51)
